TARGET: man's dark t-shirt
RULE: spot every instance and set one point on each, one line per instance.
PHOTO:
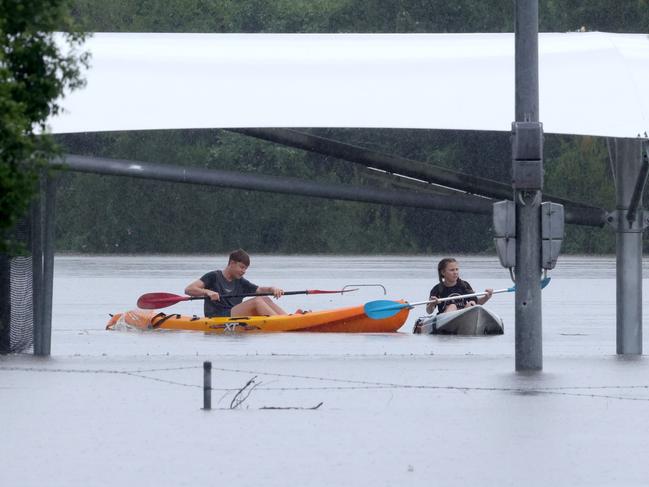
(215, 281)
(443, 291)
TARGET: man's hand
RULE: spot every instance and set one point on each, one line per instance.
(213, 295)
(277, 292)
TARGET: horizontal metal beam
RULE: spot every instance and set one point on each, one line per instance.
(295, 186)
(274, 184)
(590, 217)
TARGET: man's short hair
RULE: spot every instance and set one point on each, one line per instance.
(240, 255)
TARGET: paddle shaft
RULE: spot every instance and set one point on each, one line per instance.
(162, 300)
(454, 298)
(287, 293)
(544, 282)
(384, 309)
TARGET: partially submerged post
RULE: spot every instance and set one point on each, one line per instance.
(630, 164)
(26, 279)
(527, 176)
(43, 264)
(207, 385)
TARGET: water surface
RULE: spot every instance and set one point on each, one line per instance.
(124, 408)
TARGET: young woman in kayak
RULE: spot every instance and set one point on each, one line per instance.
(449, 285)
(217, 285)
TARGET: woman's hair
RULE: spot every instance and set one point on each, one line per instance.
(442, 265)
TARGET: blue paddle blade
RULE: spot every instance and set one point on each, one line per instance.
(377, 310)
(544, 282)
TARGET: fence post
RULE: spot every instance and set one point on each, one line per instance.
(207, 385)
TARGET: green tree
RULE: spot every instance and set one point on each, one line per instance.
(579, 168)
(594, 15)
(36, 67)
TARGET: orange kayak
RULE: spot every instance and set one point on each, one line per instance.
(341, 320)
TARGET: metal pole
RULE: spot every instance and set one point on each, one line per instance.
(386, 162)
(275, 184)
(230, 179)
(394, 164)
(36, 247)
(49, 201)
(636, 198)
(527, 172)
(627, 158)
(5, 304)
(207, 385)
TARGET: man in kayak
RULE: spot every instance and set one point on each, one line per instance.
(449, 285)
(218, 285)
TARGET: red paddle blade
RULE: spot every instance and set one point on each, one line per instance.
(320, 291)
(159, 300)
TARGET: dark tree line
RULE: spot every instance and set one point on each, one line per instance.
(109, 214)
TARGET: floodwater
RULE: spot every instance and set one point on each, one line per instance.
(116, 408)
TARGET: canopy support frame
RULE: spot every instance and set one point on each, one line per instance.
(629, 163)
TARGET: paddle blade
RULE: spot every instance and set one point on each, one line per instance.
(159, 300)
(378, 310)
(544, 282)
(320, 291)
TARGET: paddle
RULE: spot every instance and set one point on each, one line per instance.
(384, 309)
(162, 300)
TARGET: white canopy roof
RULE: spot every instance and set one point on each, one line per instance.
(590, 83)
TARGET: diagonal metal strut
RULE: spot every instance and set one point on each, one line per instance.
(394, 164)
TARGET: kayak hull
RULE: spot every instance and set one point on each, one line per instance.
(341, 320)
(473, 320)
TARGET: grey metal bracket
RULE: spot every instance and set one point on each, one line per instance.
(527, 155)
(618, 219)
(552, 233)
(640, 183)
(504, 227)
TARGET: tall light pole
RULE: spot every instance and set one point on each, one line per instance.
(527, 176)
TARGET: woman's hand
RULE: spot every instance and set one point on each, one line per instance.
(486, 297)
(430, 307)
(277, 292)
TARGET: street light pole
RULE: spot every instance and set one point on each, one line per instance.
(527, 176)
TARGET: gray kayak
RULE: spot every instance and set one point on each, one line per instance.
(473, 320)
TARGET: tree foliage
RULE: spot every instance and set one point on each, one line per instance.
(36, 67)
(579, 167)
(353, 16)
